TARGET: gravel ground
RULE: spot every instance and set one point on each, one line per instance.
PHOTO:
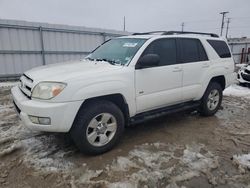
(179, 150)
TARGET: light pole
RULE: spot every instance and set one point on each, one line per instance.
(182, 26)
(222, 23)
(228, 21)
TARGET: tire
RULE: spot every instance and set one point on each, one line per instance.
(211, 100)
(243, 84)
(94, 131)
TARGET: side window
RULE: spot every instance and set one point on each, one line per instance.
(192, 50)
(165, 48)
(202, 52)
(220, 47)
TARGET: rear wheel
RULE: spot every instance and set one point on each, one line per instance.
(97, 127)
(211, 101)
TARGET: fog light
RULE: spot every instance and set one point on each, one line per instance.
(34, 119)
(40, 120)
(44, 120)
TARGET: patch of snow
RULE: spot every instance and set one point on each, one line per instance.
(239, 65)
(197, 161)
(185, 176)
(8, 84)
(243, 161)
(89, 174)
(123, 164)
(121, 185)
(238, 91)
(39, 154)
(147, 164)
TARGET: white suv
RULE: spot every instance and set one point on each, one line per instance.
(124, 81)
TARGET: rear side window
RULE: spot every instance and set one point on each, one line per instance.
(220, 47)
(192, 50)
(165, 48)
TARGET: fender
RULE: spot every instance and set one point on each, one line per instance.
(211, 73)
(108, 88)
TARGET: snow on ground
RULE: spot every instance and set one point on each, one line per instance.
(238, 91)
(243, 161)
(41, 149)
(8, 84)
(154, 164)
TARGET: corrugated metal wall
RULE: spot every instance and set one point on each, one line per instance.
(24, 45)
(240, 48)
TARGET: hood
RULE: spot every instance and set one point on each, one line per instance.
(248, 67)
(70, 70)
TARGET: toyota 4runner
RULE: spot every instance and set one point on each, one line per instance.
(124, 81)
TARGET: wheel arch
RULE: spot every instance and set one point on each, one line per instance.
(220, 80)
(117, 98)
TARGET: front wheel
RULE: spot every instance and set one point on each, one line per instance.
(211, 101)
(97, 127)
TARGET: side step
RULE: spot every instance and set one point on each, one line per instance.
(145, 116)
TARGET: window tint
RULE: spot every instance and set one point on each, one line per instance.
(220, 47)
(165, 48)
(192, 51)
(203, 54)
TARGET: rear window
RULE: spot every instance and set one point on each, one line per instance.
(220, 47)
(192, 51)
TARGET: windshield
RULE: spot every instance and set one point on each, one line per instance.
(117, 51)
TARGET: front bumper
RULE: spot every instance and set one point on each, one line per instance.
(62, 115)
(245, 80)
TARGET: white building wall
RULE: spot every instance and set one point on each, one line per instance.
(23, 46)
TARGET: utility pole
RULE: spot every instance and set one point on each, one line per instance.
(124, 23)
(182, 26)
(222, 23)
(228, 21)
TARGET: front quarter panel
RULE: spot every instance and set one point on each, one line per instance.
(108, 88)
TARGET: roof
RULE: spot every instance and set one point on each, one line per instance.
(164, 34)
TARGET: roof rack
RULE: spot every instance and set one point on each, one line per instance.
(150, 33)
(177, 32)
(189, 32)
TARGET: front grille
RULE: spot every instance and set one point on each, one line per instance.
(246, 77)
(28, 96)
(25, 86)
(28, 78)
(247, 71)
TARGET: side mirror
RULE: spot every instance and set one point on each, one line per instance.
(149, 60)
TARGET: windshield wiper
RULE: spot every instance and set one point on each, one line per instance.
(112, 62)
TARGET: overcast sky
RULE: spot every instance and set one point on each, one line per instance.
(141, 15)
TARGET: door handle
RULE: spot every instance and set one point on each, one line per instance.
(205, 65)
(177, 69)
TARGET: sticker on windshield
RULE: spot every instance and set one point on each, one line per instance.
(128, 59)
(130, 44)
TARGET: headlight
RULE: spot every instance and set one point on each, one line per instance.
(47, 90)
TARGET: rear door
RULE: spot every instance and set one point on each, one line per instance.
(159, 86)
(195, 63)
